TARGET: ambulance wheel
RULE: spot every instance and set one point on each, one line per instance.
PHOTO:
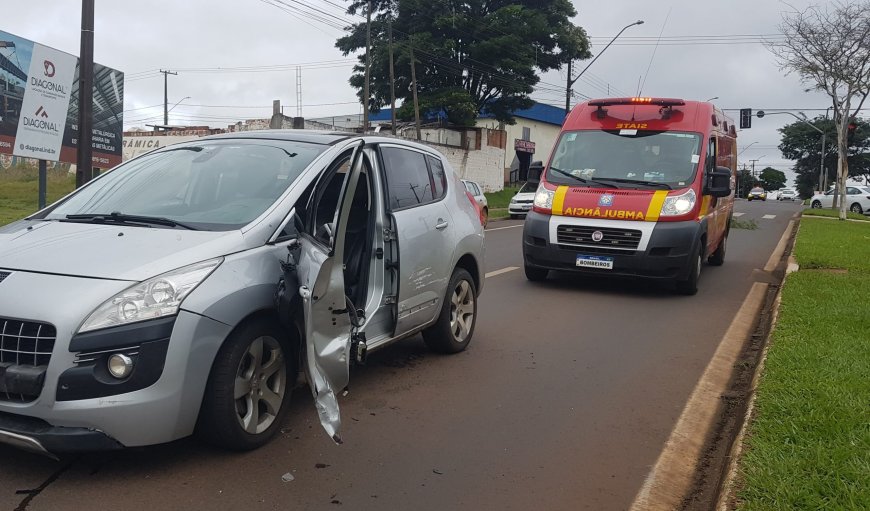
(454, 328)
(536, 274)
(717, 258)
(248, 390)
(690, 285)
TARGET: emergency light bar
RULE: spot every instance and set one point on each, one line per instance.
(665, 103)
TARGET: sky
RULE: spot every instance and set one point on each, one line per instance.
(707, 49)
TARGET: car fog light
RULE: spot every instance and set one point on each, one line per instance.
(120, 365)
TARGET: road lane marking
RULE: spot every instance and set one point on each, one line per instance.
(508, 227)
(671, 477)
(738, 214)
(499, 272)
(780, 248)
(769, 217)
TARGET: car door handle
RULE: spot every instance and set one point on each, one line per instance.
(441, 225)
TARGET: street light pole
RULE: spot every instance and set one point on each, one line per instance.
(572, 81)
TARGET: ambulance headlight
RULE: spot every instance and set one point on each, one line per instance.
(544, 197)
(679, 204)
(154, 298)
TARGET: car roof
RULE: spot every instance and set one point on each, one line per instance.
(309, 136)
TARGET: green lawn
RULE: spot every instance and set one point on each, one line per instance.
(19, 191)
(501, 199)
(830, 213)
(808, 446)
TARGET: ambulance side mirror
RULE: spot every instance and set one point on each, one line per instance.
(719, 182)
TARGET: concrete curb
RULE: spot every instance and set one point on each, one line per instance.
(727, 492)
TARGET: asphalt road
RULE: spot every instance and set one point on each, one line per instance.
(563, 401)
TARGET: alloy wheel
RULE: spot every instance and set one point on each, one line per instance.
(260, 384)
(461, 311)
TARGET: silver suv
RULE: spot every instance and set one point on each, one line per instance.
(186, 289)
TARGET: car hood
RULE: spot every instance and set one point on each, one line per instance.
(524, 196)
(102, 251)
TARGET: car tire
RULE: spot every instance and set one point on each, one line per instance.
(513, 216)
(856, 208)
(228, 419)
(536, 274)
(485, 214)
(689, 286)
(717, 258)
(452, 332)
(816, 205)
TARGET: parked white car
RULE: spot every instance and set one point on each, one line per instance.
(477, 193)
(521, 203)
(857, 199)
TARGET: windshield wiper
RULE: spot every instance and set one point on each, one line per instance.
(126, 219)
(655, 184)
(572, 176)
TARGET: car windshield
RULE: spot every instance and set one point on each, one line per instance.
(210, 185)
(666, 157)
(757, 190)
(529, 187)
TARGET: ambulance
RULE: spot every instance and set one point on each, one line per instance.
(637, 187)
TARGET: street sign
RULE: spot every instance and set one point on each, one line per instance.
(524, 146)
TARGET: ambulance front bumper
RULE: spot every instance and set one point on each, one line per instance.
(663, 252)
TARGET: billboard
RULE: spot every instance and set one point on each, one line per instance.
(39, 104)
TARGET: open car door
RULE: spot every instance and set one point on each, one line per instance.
(327, 312)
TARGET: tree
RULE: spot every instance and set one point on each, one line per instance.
(772, 179)
(802, 143)
(829, 48)
(471, 56)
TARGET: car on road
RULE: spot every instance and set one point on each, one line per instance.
(788, 194)
(857, 199)
(635, 187)
(184, 290)
(757, 193)
(476, 192)
(521, 203)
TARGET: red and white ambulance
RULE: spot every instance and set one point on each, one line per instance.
(635, 187)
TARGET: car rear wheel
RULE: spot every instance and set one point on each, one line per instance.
(816, 205)
(856, 208)
(485, 214)
(248, 390)
(454, 328)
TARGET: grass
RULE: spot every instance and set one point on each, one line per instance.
(808, 446)
(830, 213)
(501, 199)
(19, 191)
(749, 225)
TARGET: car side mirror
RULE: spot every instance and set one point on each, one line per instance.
(719, 182)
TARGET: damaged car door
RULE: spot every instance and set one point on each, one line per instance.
(327, 312)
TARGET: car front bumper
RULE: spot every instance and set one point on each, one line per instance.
(664, 253)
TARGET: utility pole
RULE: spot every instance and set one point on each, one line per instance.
(166, 95)
(753, 168)
(392, 78)
(84, 162)
(368, 66)
(572, 81)
(414, 88)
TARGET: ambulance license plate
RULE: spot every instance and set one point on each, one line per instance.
(590, 261)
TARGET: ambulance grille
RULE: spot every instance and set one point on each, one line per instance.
(582, 236)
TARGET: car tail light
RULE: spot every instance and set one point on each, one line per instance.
(476, 207)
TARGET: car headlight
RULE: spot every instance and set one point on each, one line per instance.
(544, 197)
(679, 204)
(513, 200)
(154, 298)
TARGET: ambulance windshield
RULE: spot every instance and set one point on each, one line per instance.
(626, 156)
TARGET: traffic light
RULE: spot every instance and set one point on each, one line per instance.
(745, 118)
(850, 134)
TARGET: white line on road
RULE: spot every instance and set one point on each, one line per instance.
(738, 214)
(769, 217)
(508, 227)
(503, 270)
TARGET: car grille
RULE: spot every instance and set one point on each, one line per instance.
(581, 235)
(524, 201)
(25, 347)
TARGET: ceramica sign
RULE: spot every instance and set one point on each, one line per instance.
(39, 107)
